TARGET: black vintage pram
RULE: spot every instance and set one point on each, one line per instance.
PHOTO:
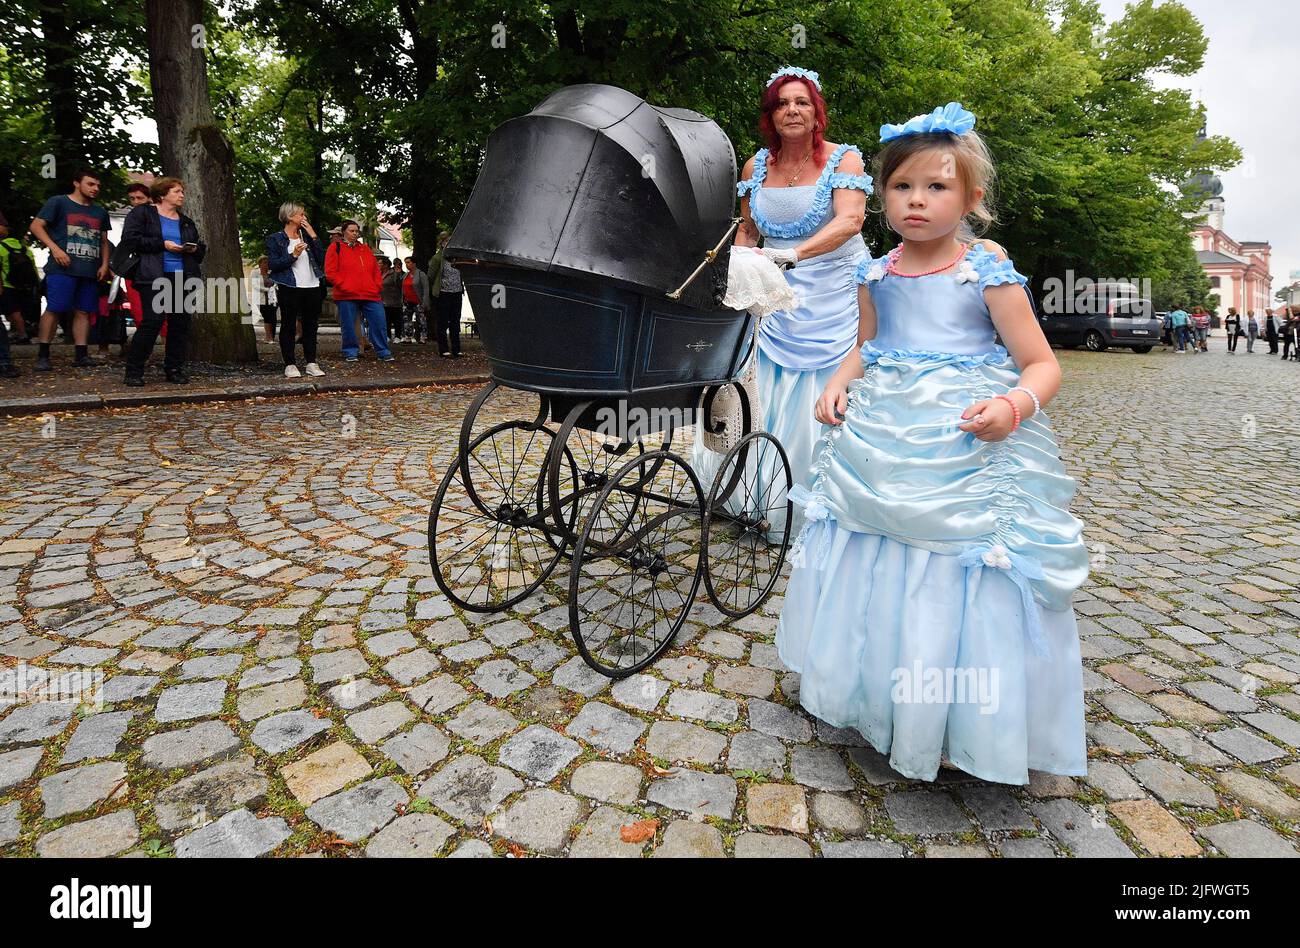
(594, 249)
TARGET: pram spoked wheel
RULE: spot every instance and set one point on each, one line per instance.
(487, 544)
(567, 312)
(632, 582)
(747, 524)
(589, 458)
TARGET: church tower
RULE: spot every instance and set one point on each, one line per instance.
(1210, 189)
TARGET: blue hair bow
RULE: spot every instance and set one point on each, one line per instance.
(949, 118)
(808, 74)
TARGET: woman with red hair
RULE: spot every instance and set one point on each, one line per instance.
(805, 198)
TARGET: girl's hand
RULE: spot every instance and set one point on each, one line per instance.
(989, 420)
(834, 399)
(173, 246)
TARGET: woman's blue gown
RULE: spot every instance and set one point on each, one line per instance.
(799, 350)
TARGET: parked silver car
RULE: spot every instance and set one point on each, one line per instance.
(1121, 323)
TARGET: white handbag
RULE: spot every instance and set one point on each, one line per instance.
(726, 408)
(756, 284)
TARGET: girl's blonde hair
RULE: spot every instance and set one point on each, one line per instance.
(973, 164)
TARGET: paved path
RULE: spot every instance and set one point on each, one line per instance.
(282, 676)
(71, 389)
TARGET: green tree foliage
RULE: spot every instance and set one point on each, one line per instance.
(349, 106)
(1090, 152)
(292, 141)
(69, 89)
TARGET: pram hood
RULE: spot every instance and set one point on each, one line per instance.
(599, 183)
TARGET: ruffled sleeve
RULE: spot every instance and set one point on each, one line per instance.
(870, 270)
(760, 172)
(838, 179)
(860, 181)
(992, 271)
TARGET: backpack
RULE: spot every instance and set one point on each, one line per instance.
(21, 272)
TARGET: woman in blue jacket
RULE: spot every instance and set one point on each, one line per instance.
(296, 262)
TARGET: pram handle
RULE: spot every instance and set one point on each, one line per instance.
(708, 258)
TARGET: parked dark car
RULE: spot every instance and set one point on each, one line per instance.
(1120, 323)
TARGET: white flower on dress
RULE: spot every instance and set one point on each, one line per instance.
(997, 556)
(877, 272)
(816, 509)
(966, 273)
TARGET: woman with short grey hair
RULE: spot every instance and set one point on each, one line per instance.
(296, 262)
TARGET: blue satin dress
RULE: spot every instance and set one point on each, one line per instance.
(929, 605)
(799, 350)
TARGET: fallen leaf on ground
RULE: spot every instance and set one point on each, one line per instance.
(639, 831)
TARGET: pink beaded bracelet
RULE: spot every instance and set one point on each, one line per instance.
(1015, 410)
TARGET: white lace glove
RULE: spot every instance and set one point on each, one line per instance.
(785, 258)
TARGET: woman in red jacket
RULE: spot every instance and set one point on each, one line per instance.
(354, 273)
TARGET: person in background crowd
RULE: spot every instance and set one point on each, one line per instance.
(1180, 322)
(7, 368)
(18, 278)
(136, 195)
(450, 289)
(1272, 327)
(10, 302)
(122, 303)
(101, 327)
(296, 263)
(1200, 330)
(1290, 333)
(1232, 325)
(119, 313)
(75, 231)
(261, 293)
(415, 299)
(390, 293)
(1252, 330)
(170, 251)
(1166, 332)
(352, 270)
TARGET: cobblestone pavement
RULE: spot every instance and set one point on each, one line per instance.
(101, 386)
(282, 676)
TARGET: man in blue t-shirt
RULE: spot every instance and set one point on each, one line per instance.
(75, 230)
(1181, 324)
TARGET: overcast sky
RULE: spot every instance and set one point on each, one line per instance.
(1250, 85)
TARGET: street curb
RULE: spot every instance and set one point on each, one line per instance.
(17, 407)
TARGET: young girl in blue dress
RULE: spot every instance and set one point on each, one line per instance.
(929, 607)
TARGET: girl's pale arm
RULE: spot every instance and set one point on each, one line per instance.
(1023, 337)
(834, 401)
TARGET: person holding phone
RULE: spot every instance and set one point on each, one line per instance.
(171, 252)
(296, 262)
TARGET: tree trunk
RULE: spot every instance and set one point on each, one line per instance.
(425, 174)
(194, 149)
(60, 48)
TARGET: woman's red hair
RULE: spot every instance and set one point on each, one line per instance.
(772, 100)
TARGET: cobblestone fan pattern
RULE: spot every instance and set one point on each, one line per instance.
(282, 677)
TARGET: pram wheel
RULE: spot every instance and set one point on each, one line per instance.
(631, 584)
(581, 466)
(487, 547)
(747, 524)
